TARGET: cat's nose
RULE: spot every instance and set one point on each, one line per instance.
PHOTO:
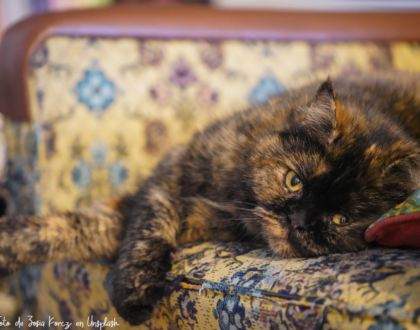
(299, 220)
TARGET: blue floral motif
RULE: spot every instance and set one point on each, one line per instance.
(95, 90)
(22, 174)
(40, 97)
(40, 57)
(386, 325)
(107, 283)
(230, 314)
(118, 173)
(99, 151)
(29, 278)
(249, 278)
(266, 88)
(81, 174)
(16, 176)
(33, 142)
(187, 307)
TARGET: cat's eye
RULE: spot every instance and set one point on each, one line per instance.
(341, 220)
(293, 182)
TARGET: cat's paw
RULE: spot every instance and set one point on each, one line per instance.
(140, 280)
(137, 307)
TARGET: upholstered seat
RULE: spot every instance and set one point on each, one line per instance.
(241, 286)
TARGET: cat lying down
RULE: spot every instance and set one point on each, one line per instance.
(306, 173)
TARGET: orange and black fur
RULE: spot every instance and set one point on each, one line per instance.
(306, 173)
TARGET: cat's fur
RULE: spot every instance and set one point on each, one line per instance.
(355, 149)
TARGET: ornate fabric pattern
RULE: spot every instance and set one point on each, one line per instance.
(106, 110)
(236, 286)
(23, 172)
(400, 226)
(410, 205)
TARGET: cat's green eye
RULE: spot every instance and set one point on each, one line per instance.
(293, 182)
(341, 220)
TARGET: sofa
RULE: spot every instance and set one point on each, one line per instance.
(93, 100)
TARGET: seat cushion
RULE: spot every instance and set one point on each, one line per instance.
(243, 286)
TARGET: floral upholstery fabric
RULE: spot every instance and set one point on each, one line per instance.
(409, 206)
(239, 286)
(106, 110)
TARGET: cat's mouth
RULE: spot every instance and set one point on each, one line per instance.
(276, 231)
(289, 235)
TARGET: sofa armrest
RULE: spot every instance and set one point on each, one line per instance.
(241, 286)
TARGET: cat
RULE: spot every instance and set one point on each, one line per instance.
(305, 173)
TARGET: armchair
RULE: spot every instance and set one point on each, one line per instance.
(93, 100)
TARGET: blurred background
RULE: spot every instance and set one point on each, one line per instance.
(14, 10)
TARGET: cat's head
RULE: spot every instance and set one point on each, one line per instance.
(319, 183)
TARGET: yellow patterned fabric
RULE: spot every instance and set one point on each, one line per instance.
(106, 110)
(236, 286)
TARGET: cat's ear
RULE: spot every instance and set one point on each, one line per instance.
(320, 118)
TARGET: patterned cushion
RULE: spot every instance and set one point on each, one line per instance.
(399, 226)
(104, 113)
(240, 286)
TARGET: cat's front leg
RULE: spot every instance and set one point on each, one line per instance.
(139, 283)
(146, 253)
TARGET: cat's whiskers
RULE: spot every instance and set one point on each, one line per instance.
(227, 202)
(235, 222)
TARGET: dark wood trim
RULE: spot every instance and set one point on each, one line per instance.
(180, 22)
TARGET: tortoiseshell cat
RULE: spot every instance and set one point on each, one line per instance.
(306, 173)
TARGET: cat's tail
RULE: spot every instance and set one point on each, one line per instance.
(85, 234)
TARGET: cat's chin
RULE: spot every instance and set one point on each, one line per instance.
(279, 243)
(282, 247)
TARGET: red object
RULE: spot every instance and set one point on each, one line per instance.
(401, 230)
